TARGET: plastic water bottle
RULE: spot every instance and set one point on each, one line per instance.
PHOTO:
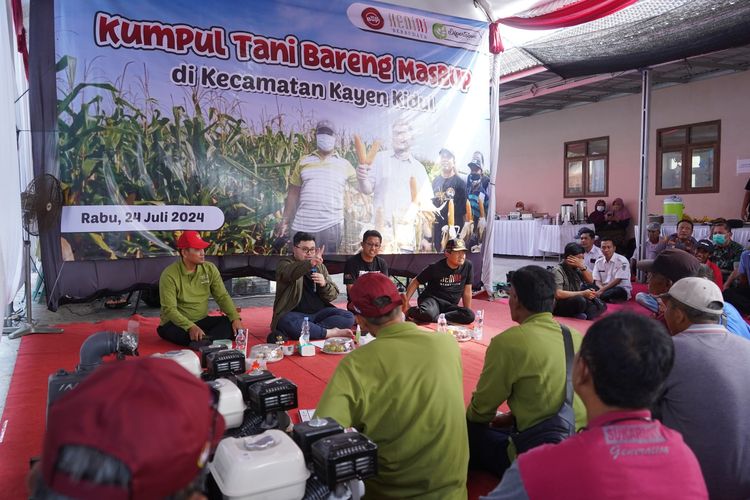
(442, 323)
(304, 334)
(240, 341)
(358, 335)
(478, 324)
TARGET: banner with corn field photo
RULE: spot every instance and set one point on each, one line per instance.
(250, 121)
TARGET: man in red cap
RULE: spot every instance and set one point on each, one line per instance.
(137, 429)
(184, 289)
(404, 391)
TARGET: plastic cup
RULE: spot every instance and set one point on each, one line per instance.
(134, 326)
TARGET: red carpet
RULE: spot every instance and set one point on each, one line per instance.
(22, 423)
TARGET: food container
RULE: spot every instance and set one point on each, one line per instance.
(270, 352)
(185, 358)
(288, 347)
(268, 466)
(460, 333)
(338, 345)
(231, 404)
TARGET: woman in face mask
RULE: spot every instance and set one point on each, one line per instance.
(597, 217)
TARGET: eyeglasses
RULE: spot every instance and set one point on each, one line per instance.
(306, 251)
(372, 245)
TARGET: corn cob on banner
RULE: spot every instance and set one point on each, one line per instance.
(250, 121)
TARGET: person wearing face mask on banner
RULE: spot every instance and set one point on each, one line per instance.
(476, 184)
(315, 201)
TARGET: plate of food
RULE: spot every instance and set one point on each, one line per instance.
(338, 345)
(270, 352)
(460, 333)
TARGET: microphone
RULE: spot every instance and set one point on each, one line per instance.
(314, 270)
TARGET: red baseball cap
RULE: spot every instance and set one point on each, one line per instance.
(191, 239)
(154, 416)
(374, 295)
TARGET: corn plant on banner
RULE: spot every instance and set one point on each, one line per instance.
(250, 121)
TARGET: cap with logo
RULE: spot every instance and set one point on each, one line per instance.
(706, 245)
(151, 414)
(673, 263)
(455, 245)
(191, 239)
(325, 127)
(477, 160)
(700, 294)
(374, 295)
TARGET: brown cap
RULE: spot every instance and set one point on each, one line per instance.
(455, 245)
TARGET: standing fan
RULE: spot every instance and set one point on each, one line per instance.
(41, 205)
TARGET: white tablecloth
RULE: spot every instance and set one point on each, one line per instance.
(552, 239)
(517, 237)
(701, 232)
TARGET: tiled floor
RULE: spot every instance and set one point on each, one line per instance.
(95, 311)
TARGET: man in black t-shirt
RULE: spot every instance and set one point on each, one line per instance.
(446, 282)
(448, 186)
(366, 261)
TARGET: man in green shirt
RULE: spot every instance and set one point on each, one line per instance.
(523, 366)
(184, 288)
(405, 392)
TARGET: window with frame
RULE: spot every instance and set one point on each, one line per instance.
(586, 168)
(687, 158)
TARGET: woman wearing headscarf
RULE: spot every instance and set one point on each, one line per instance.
(598, 217)
(570, 277)
(619, 217)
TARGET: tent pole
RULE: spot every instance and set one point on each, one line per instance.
(489, 233)
(643, 189)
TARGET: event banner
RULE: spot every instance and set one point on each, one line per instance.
(251, 121)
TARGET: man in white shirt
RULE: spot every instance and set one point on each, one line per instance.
(612, 274)
(591, 252)
(389, 178)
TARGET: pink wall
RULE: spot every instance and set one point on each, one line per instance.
(531, 149)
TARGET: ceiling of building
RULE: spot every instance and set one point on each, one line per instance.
(538, 90)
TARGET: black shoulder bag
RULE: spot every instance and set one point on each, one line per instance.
(560, 425)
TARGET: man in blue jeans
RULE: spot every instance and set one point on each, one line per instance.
(304, 289)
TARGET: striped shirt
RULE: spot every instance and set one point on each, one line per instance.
(322, 183)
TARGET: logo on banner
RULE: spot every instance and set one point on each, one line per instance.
(400, 23)
(408, 25)
(457, 34)
(372, 18)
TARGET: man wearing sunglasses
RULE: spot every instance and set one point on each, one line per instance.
(304, 289)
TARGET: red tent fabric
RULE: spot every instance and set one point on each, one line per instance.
(570, 15)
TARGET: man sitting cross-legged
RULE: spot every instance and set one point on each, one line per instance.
(446, 282)
(184, 289)
(304, 289)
